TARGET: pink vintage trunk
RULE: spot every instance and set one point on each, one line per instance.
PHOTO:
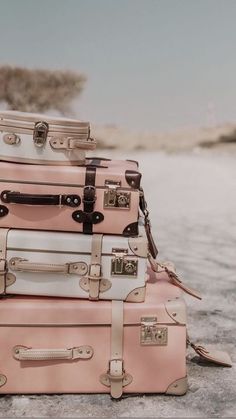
(46, 327)
(84, 199)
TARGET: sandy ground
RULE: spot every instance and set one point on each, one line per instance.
(193, 210)
(221, 138)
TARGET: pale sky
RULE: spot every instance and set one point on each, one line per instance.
(152, 65)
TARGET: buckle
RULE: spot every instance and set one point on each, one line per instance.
(120, 366)
(89, 194)
(3, 266)
(95, 271)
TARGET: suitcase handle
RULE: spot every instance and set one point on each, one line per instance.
(72, 143)
(10, 197)
(23, 353)
(23, 265)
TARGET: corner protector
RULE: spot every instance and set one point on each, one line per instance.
(136, 296)
(139, 246)
(178, 387)
(131, 230)
(3, 211)
(175, 311)
(3, 380)
(133, 178)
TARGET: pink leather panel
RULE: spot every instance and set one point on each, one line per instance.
(49, 311)
(71, 181)
(153, 368)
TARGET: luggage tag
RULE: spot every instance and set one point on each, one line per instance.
(211, 355)
(169, 268)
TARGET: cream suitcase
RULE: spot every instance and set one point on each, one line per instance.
(73, 265)
(40, 139)
(65, 346)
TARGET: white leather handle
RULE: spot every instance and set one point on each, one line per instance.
(71, 143)
(23, 265)
(23, 353)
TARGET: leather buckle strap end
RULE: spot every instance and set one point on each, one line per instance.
(94, 276)
(89, 196)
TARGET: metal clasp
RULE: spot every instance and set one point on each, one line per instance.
(122, 266)
(114, 198)
(40, 133)
(151, 333)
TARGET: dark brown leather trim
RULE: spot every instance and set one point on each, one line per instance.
(89, 198)
(151, 243)
(3, 211)
(97, 158)
(134, 161)
(133, 178)
(88, 217)
(40, 199)
(131, 230)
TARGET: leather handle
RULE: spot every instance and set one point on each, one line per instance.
(23, 265)
(10, 197)
(71, 143)
(23, 353)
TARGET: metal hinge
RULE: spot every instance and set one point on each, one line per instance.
(121, 265)
(40, 133)
(151, 333)
(114, 198)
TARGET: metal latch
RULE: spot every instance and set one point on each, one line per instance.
(121, 265)
(40, 133)
(114, 198)
(151, 333)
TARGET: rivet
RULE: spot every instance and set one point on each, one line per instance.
(135, 248)
(174, 314)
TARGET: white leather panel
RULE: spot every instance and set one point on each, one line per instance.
(61, 248)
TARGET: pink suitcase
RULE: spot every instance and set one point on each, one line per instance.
(65, 346)
(99, 197)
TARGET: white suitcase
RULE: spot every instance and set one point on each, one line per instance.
(39, 139)
(58, 264)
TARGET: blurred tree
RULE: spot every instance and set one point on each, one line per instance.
(39, 90)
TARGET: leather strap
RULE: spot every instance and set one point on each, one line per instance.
(3, 254)
(170, 270)
(212, 355)
(95, 269)
(116, 370)
(89, 197)
(147, 224)
(22, 353)
(36, 199)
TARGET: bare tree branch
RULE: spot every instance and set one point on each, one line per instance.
(39, 90)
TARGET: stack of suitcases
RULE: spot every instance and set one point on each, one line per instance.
(85, 307)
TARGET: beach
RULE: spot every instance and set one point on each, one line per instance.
(191, 198)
